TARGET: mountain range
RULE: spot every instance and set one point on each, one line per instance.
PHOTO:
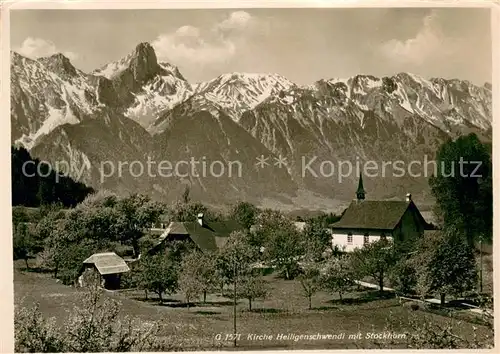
(141, 109)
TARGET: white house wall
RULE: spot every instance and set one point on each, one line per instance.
(339, 238)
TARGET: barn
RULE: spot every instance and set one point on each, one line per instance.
(205, 235)
(107, 267)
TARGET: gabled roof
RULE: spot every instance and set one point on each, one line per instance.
(373, 214)
(108, 263)
(209, 237)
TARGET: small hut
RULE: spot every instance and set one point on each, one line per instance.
(108, 266)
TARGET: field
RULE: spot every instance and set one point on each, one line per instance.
(285, 311)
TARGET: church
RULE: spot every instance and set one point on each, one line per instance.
(366, 221)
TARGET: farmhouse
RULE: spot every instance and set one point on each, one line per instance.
(108, 268)
(366, 221)
(206, 236)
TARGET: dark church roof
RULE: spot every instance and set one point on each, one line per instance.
(373, 214)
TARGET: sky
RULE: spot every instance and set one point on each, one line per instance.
(304, 45)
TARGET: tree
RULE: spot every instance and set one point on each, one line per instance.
(65, 256)
(186, 199)
(281, 241)
(283, 250)
(207, 265)
(235, 257)
(189, 286)
(197, 275)
(24, 244)
(403, 276)
(446, 264)
(19, 215)
(157, 274)
(56, 243)
(245, 213)
(135, 214)
(324, 219)
(463, 187)
(310, 281)
(316, 240)
(189, 212)
(375, 259)
(267, 222)
(252, 287)
(176, 250)
(338, 276)
(234, 262)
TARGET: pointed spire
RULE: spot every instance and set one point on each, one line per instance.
(360, 193)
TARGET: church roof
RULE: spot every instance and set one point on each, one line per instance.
(373, 214)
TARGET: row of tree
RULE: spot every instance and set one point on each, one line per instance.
(103, 222)
(441, 264)
(201, 273)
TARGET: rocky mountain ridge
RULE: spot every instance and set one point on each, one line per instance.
(138, 108)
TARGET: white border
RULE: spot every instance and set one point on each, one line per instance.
(6, 286)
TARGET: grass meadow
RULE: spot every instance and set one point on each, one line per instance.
(284, 311)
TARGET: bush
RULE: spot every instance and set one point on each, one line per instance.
(403, 277)
(94, 326)
(128, 280)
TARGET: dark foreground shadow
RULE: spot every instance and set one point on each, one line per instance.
(153, 299)
(364, 298)
(36, 270)
(216, 303)
(266, 310)
(207, 313)
(325, 308)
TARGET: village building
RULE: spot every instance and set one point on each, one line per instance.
(367, 221)
(206, 236)
(107, 268)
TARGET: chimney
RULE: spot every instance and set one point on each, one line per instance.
(200, 219)
(408, 197)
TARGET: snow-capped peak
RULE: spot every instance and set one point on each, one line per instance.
(113, 69)
(141, 61)
(59, 64)
(238, 92)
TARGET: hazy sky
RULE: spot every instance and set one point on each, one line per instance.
(304, 45)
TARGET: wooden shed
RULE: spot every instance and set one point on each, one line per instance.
(108, 266)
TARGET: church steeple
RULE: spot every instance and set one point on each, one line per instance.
(360, 193)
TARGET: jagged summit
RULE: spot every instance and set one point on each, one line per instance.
(59, 63)
(174, 70)
(143, 47)
(144, 64)
(141, 64)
